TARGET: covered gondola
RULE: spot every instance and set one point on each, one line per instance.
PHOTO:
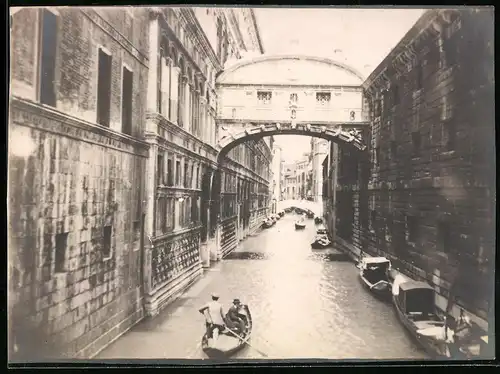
(374, 274)
(415, 308)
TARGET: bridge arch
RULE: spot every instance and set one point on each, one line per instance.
(349, 135)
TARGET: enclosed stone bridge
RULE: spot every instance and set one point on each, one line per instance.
(297, 95)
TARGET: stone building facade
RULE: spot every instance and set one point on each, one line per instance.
(319, 151)
(114, 174)
(426, 197)
(194, 201)
(76, 160)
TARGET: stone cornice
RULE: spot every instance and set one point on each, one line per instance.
(188, 13)
(181, 133)
(27, 113)
(257, 32)
(237, 31)
(96, 18)
(404, 53)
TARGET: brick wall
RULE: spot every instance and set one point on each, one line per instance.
(70, 291)
(442, 94)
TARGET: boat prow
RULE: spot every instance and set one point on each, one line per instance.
(228, 343)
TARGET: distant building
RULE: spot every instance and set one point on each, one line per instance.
(277, 177)
(319, 151)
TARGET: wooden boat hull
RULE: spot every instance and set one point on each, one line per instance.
(430, 345)
(299, 226)
(381, 290)
(227, 344)
(266, 225)
(318, 220)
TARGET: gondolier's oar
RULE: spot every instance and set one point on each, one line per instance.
(246, 341)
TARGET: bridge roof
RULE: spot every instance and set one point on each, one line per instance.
(291, 70)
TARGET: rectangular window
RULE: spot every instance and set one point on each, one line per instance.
(376, 156)
(323, 98)
(416, 142)
(106, 247)
(444, 237)
(449, 135)
(170, 173)
(412, 228)
(104, 89)
(178, 173)
(61, 250)
(377, 109)
(159, 168)
(194, 209)
(48, 58)
(395, 94)
(186, 174)
(192, 177)
(264, 97)
(170, 212)
(419, 76)
(127, 89)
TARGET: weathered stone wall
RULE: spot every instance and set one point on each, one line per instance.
(75, 191)
(432, 154)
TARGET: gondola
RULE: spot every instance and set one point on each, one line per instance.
(228, 343)
(414, 305)
(374, 274)
(267, 223)
(318, 220)
(309, 214)
(300, 225)
(320, 242)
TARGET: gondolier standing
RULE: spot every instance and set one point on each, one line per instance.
(214, 317)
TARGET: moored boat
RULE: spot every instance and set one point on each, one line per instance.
(267, 223)
(309, 214)
(320, 242)
(318, 220)
(300, 225)
(374, 274)
(230, 341)
(415, 307)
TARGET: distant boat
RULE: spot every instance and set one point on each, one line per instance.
(300, 224)
(309, 214)
(228, 343)
(320, 242)
(268, 222)
(415, 308)
(374, 274)
(318, 220)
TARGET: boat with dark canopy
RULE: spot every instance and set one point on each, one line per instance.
(374, 274)
(230, 341)
(415, 308)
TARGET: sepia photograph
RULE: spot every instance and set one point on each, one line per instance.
(234, 183)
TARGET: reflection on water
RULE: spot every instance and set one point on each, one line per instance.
(310, 303)
(304, 303)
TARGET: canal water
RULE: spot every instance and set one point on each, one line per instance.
(305, 304)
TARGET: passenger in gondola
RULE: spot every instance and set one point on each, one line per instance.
(234, 317)
(214, 318)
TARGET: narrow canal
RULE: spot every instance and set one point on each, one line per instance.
(304, 303)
